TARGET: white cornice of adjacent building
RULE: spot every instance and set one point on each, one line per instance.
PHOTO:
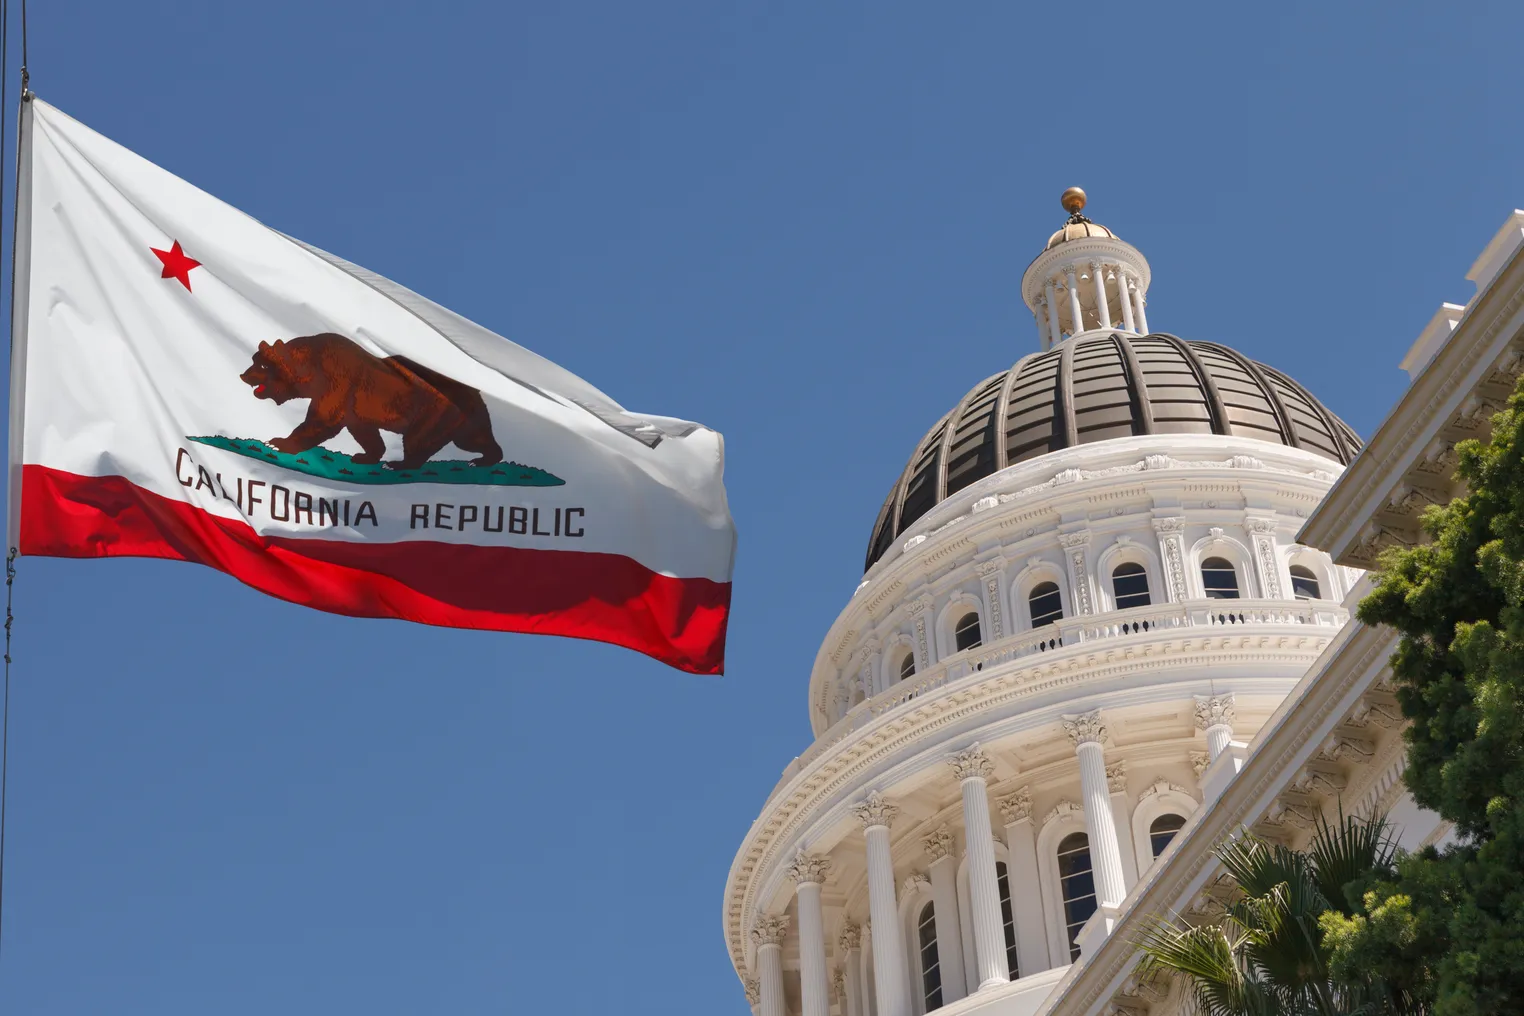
(1464, 366)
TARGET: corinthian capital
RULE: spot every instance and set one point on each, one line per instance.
(1116, 776)
(809, 868)
(971, 763)
(875, 811)
(1085, 727)
(769, 930)
(1015, 807)
(851, 936)
(1214, 711)
(938, 845)
(753, 989)
(915, 882)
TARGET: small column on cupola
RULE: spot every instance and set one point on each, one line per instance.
(1087, 279)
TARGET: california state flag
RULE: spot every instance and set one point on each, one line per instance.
(190, 384)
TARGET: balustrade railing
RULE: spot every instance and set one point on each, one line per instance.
(1077, 631)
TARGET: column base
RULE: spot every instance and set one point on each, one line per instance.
(994, 982)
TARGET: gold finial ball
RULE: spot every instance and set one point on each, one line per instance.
(1073, 200)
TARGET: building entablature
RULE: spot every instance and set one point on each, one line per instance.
(1460, 380)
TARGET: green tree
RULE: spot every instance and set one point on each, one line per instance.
(1447, 931)
(1266, 956)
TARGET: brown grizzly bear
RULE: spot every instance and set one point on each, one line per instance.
(352, 390)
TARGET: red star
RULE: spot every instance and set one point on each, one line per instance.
(176, 264)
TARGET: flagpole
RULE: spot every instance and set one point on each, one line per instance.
(21, 235)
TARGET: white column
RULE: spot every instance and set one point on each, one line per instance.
(973, 768)
(1137, 295)
(1098, 274)
(809, 872)
(1074, 306)
(1125, 299)
(1021, 872)
(850, 945)
(1214, 714)
(943, 869)
(891, 979)
(1055, 336)
(1116, 782)
(753, 989)
(1040, 312)
(768, 935)
(1087, 732)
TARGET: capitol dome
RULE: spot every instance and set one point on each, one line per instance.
(1098, 387)
(1084, 596)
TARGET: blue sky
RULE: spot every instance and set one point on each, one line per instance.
(803, 224)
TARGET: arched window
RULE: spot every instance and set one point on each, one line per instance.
(1304, 584)
(1008, 918)
(1078, 886)
(1162, 831)
(931, 968)
(1045, 603)
(1129, 584)
(966, 632)
(1219, 579)
(907, 665)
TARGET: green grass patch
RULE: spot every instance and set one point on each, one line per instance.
(341, 468)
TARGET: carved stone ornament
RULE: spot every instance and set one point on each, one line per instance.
(875, 811)
(916, 882)
(839, 982)
(1215, 531)
(1162, 786)
(1319, 780)
(1016, 807)
(770, 929)
(1371, 710)
(1175, 524)
(1214, 711)
(807, 868)
(851, 936)
(1295, 813)
(1063, 809)
(984, 568)
(1199, 761)
(1067, 540)
(938, 845)
(1116, 777)
(1343, 747)
(753, 989)
(1260, 525)
(1085, 727)
(971, 763)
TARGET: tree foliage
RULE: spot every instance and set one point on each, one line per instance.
(1447, 932)
(1266, 956)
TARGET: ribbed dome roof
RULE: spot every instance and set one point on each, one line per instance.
(1077, 230)
(1100, 387)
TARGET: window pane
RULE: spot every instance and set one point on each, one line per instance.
(1008, 918)
(1304, 584)
(966, 634)
(907, 666)
(931, 969)
(1163, 830)
(1077, 885)
(1219, 579)
(1046, 604)
(1129, 583)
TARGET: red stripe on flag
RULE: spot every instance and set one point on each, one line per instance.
(604, 597)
